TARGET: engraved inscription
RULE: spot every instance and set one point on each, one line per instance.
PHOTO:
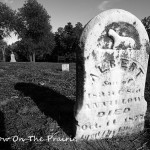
(127, 65)
(111, 133)
(107, 103)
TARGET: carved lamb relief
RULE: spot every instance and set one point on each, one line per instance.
(126, 41)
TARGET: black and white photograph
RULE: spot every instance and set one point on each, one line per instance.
(74, 75)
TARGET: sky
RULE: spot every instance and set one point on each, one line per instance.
(64, 11)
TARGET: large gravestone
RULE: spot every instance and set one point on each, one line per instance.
(111, 74)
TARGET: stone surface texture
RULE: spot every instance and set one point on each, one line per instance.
(111, 74)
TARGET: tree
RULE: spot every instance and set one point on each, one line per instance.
(7, 20)
(146, 23)
(68, 37)
(78, 30)
(46, 43)
(35, 29)
(7, 24)
(60, 41)
(67, 40)
(77, 33)
(3, 46)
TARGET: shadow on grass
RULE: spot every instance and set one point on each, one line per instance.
(147, 125)
(147, 96)
(52, 104)
(4, 145)
(147, 128)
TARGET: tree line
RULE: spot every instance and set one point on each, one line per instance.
(37, 42)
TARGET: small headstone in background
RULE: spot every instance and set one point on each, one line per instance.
(111, 74)
(65, 67)
(12, 57)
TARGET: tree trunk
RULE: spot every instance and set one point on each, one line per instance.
(34, 56)
(4, 60)
(3, 52)
(30, 58)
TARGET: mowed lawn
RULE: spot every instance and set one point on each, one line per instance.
(37, 99)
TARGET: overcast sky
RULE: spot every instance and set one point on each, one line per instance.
(64, 11)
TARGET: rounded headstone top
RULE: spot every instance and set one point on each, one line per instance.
(109, 27)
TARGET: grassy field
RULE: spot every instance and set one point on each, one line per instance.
(37, 99)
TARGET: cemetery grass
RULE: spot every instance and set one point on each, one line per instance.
(37, 99)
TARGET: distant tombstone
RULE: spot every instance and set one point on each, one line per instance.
(65, 67)
(111, 74)
(12, 57)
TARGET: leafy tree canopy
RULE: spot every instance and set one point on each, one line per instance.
(7, 20)
(34, 28)
(67, 40)
(35, 20)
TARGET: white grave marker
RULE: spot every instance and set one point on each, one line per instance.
(12, 57)
(65, 67)
(111, 74)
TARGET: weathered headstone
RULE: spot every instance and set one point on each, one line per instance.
(111, 74)
(65, 67)
(12, 57)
